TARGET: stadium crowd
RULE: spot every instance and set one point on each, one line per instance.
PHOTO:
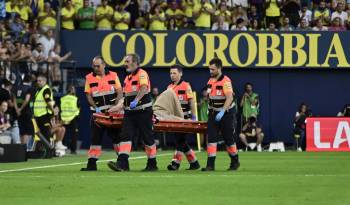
(270, 15)
(25, 17)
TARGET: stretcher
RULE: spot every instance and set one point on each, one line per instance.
(182, 126)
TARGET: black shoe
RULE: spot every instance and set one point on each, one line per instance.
(88, 169)
(210, 164)
(73, 152)
(116, 166)
(150, 169)
(208, 169)
(151, 166)
(194, 166)
(235, 164)
(173, 166)
(91, 165)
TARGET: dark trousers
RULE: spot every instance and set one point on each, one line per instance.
(225, 127)
(44, 125)
(138, 120)
(97, 133)
(71, 136)
(181, 142)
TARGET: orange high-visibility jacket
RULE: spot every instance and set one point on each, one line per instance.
(103, 90)
(131, 88)
(216, 91)
(182, 90)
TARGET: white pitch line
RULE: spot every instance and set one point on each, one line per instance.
(70, 164)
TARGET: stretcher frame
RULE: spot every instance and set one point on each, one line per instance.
(180, 126)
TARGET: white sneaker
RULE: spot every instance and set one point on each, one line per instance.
(60, 153)
(259, 149)
(299, 149)
(252, 146)
(60, 146)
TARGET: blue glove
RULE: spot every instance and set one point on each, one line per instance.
(133, 104)
(193, 118)
(219, 116)
(98, 110)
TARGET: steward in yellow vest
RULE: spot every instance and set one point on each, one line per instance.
(43, 107)
(69, 115)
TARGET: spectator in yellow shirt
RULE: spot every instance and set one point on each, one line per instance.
(23, 10)
(322, 13)
(202, 14)
(77, 4)
(273, 12)
(11, 8)
(68, 15)
(104, 15)
(174, 12)
(47, 18)
(188, 6)
(157, 18)
(121, 18)
(224, 12)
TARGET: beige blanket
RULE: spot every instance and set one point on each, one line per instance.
(168, 107)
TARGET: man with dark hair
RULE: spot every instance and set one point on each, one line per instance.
(251, 132)
(221, 104)
(24, 93)
(249, 102)
(300, 126)
(322, 13)
(86, 16)
(39, 57)
(178, 68)
(138, 115)
(155, 94)
(103, 91)
(184, 93)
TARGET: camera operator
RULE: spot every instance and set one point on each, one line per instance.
(251, 132)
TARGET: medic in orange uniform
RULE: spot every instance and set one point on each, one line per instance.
(220, 119)
(138, 115)
(103, 91)
(184, 93)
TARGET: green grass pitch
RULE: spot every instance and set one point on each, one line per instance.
(264, 178)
